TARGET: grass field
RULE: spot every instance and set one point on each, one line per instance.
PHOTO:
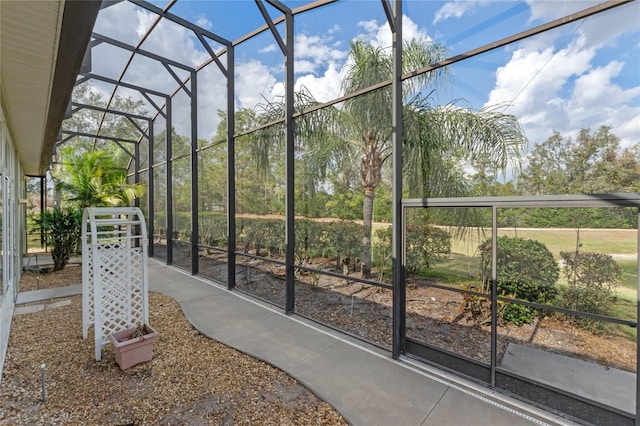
(622, 244)
(609, 241)
(463, 265)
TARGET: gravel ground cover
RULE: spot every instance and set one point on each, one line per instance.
(191, 380)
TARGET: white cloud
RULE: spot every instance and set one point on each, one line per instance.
(596, 87)
(570, 87)
(533, 76)
(145, 20)
(127, 23)
(626, 123)
(316, 52)
(549, 10)
(455, 9)
(304, 67)
(176, 42)
(120, 19)
(600, 30)
(277, 91)
(323, 88)
(212, 91)
(379, 35)
(270, 48)
(596, 98)
(204, 23)
(320, 61)
(370, 27)
(254, 81)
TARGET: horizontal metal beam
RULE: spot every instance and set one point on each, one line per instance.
(91, 135)
(593, 200)
(141, 52)
(80, 106)
(127, 85)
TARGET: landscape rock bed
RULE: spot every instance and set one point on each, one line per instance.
(190, 380)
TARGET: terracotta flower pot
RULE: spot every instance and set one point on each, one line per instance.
(131, 348)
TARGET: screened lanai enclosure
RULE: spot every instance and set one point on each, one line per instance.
(457, 183)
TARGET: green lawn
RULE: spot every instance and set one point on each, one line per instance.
(463, 267)
(610, 241)
(622, 244)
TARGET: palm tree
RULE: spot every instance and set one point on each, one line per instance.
(91, 178)
(437, 140)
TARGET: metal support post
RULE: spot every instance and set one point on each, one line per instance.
(290, 172)
(494, 295)
(194, 174)
(231, 172)
(638, 317)
(169, 174)
(136, 170)
(399, 286)
(150, 189)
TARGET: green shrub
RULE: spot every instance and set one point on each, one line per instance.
(182, 226)
(514, 313)
(309, 240)
(340, 240)
(383, 260)
(526, 270)
(261, 234)
(426, 245)
(344, 239)
(212, 229)
(62, 230)
(592, 278)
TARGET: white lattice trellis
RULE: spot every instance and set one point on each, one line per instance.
(115, 284)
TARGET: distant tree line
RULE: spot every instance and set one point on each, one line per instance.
(592, 163)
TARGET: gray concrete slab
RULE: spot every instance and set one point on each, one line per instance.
(457, 408)
(228, 332)
(45, 259)
(224, 308)
(49, 293)
(609, 386)
(19, 310)
(368, 389)
(184, 293)
(159, 274)
(179, 288)
(286, 344)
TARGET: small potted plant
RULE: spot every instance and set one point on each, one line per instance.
(133, 345)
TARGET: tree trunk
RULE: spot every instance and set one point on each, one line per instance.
(370, 173)
(367, 219)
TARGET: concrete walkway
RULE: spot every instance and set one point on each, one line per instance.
(362, 382)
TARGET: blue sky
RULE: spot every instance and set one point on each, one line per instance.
(585, 74)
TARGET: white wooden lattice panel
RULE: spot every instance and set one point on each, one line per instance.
(87, 287)
(114, 275)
